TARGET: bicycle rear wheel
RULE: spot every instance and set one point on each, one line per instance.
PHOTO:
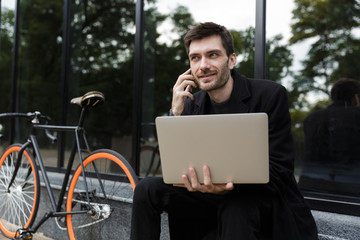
(106, 191)
(149, 160)
(19, 204)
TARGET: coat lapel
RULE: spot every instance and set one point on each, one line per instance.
(240, 93)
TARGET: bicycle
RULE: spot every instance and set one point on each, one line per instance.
(149, 155)
(91, 192)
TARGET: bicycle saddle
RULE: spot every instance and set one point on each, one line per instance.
(89, 99)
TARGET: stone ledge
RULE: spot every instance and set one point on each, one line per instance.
(333, 226)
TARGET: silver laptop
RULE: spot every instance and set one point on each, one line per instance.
(234, 146)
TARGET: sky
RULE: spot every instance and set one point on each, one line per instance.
(240, 13)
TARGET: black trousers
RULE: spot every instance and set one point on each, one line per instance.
(194, 215)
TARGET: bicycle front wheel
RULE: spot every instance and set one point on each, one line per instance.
(19, 203)
(110, 182)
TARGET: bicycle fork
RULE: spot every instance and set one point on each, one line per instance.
(17, 165)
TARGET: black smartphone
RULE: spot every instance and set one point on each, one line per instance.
(191, 88)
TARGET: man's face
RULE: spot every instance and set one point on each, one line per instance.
(209, 63)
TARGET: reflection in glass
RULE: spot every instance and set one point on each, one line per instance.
(332, 143)
(102, 50)
(101, 58)
(330, 29)
(6, 45)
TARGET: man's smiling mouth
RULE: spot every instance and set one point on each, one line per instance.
(208, 75)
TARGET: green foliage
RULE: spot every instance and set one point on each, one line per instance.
(102, 59)
(164, 61)
(6, 35)
(334, 53)
(40, 57)
(278, 55)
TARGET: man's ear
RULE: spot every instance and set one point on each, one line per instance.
(232, 61)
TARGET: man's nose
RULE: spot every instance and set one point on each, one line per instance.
(204, 64)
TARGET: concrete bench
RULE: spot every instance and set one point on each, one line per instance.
(331, 226)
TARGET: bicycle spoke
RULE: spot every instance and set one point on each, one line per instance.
(3, 204)
(3, 184)
(27, 205)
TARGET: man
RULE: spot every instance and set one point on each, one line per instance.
(332, 143)
(226, 211)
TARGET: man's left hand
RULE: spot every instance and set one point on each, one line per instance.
(193, 183)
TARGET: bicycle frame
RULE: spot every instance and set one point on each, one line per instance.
(32, 143)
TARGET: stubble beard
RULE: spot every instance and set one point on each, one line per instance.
(220, 83)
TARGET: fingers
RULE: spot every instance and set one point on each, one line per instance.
(192, 183)
(182, 91)
(207, 176)
(184, 80)
(184, 76)
(187, 183)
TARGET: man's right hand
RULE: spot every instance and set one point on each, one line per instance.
(181, 91)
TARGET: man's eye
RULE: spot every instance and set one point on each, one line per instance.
(194, 57)
(213, 54)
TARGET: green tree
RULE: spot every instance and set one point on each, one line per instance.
(6, 34)
(102, 59)
(334, 52)
(40, 57)
(278, 55)
(163, 61)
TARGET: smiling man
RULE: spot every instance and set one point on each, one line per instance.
(275, 210)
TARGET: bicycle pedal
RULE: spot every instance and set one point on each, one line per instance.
(23, 238)
(28, 237)
(23, 234)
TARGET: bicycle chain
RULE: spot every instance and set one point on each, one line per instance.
(85, 225)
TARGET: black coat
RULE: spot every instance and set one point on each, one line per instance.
(292, 218)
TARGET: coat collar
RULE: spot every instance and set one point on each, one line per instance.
(239, 94)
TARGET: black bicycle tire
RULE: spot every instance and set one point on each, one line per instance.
(154, 151)
(35, 203)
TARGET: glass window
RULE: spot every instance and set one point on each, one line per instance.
(324, 91)
(6, 45)
(102, 57)
(34, 80)
(102, 37)
(313, 49)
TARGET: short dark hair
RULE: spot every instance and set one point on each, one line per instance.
(208, 29)
(344, 90)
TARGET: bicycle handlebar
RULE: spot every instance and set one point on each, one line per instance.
(35, 118)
